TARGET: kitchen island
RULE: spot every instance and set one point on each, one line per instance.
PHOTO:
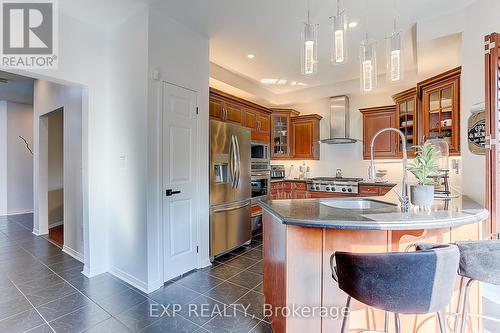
(300, 235)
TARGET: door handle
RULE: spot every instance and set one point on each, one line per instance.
(171, 192)
(228, 209)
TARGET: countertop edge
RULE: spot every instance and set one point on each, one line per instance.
(474, 217)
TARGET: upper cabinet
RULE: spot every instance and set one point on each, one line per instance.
(375, 119)
(440, 108)
(281, 134)
(430, 110)
(231, 109)
(407, 121)
(289, 135)
(305, 134)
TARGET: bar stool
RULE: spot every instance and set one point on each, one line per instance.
(399, 282)
(479, 261)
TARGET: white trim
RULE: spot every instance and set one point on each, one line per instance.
(37, 232)
(56, 224)
(133, 281)
(205, 263)
(73, 253)
(20, 212)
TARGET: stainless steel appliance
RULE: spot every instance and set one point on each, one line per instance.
(277, 171)
(230, 191)
(260, 152)
(260, 185)
(333, 184)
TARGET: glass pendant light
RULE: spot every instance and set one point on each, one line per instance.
(368, 65)
(394, 71)
(338, 48)
(309, 49)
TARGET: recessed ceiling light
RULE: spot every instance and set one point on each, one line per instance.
(251, 56)
(353, 24)
(293, 83)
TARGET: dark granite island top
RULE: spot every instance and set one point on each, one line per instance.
(299, 236)
(316, 213)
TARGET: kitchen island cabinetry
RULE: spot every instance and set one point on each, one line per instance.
(299, 236)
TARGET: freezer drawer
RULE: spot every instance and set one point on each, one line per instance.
(230, 226)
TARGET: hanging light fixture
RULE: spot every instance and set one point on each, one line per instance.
(368, 65)
(309, 49)
(338, 48)
(394, 72)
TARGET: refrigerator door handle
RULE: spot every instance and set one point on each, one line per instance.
(232, 158)
(238, 161)
(227, 209)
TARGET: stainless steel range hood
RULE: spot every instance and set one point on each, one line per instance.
(339, 121)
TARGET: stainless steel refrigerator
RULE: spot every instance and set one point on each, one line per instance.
(230, 187)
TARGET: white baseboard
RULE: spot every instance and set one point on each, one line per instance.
(78, 256)
(20, 212)
(55, 224)
(133, 281)
(205, 263)
(37, 232)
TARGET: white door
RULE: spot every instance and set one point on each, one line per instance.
(180, 180)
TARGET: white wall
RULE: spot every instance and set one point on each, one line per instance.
(49, 97)
(182, 57)
(481, 18)
(83, 61)
(128, 256)
(55, 166)
(56, 150)
(3, 158)
(16, 162)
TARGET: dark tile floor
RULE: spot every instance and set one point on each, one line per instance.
(43, 290)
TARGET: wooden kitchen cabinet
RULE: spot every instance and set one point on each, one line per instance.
(281, 137)
(440, 108)
(375, 119)
(407, 120)
(373, 190)
(228, 108)
(305, 137)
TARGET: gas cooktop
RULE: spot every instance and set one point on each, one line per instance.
(334, 184)
(335, 179)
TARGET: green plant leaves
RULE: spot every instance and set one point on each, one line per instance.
(425, 164)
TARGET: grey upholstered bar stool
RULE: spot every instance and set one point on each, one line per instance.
(400, 282)
(479, 261)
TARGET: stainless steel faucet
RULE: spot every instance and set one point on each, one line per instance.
(403, 196)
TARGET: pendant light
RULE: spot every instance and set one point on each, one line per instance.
(309, 49)
(368, 64)
(338, 47)
(394, 71)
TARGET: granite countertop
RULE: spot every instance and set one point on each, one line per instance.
(367, 183)
(289, 180)
(312, 213)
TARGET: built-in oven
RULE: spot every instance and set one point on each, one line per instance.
(260, 152)
(260, 184)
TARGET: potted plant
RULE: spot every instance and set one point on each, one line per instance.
(424, 165)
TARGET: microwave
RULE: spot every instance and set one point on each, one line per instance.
(260, 152)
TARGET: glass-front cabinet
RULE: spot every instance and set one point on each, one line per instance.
(441, 109)
(281, 133)
(407, 119)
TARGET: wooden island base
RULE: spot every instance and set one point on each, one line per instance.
(297, 274)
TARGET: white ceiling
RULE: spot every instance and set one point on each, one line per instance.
(271, 30)
(17, 89)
